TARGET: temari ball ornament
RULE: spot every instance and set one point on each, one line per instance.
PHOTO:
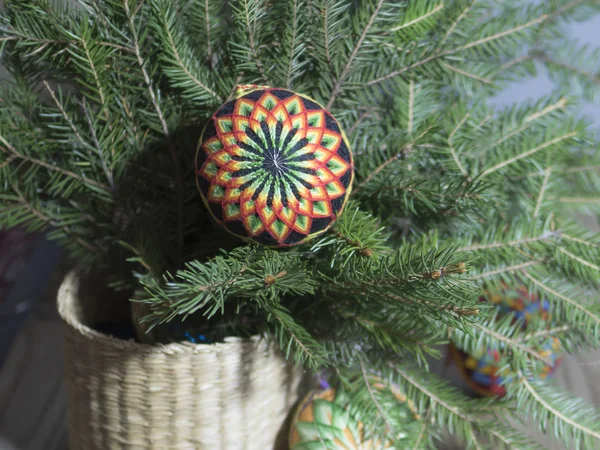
(323, 421)
(483, 371)
(274, 166)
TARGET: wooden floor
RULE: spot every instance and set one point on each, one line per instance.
(32, 397)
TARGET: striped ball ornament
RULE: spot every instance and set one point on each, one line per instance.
(273, 166)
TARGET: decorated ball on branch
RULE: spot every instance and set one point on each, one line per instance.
(485, 371)
(273, 166)
(325, 421)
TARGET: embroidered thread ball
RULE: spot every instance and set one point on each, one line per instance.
(274, 166)
(324, 420)
(485, 372)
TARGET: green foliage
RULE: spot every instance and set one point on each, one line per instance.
(99, 124)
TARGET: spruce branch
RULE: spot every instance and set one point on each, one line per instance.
(579, 259)
(440, 54)
(355, 234)
(509, 269)
(61, 108)
(391, 160)
(325, 12)
(456, 22)
(165, 128)
(179, 57)
(540, 199)
(293, 44)
(420, 18)
(295, 340)
(45, 219)
(529, 121)
(512, 343)
(468, 74)
(98, 148)
(346, 70)
(526, 154)
(8, 148)
(249, 15)
(547, 235)
(90, 61)
(368, 385)
(572, 420)
(451, 147)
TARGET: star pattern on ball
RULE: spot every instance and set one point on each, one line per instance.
(274, 166)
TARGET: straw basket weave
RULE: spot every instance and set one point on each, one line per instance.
(125, 395)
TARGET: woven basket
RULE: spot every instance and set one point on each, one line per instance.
(121, 394)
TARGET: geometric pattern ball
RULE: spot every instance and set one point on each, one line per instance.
(484, 371)
(323, 421)
(274, 167)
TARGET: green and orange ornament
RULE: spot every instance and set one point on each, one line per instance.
(273, 166)
(324, 420)
(484, 371)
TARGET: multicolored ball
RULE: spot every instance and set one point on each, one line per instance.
(484, 372)
(324, 421)
(518, 301)
(274, 166)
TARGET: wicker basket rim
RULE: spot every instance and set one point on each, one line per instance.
(68, 289)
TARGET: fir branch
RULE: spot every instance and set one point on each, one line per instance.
(368, 385)
(418, 19)
(453, 51)
(293, 44)
(390, 160)
(591, 315)
(356, 234)
(538, 203)
(579, 259)
(499, 245)
(451, 146)
(325, 12)
(528, 122)
(571, 418)
(580, 241)
(546, 59)
(421, 435)
(65, 115)
(509, 269)
(497, 35)
(183, 67)
(455, 23)
(545, 333)
(8, 160)
(249, 26)
(94, 71)
(563, 9)
(411, 106)
(142, 66)
(51, 222)
(8, 148)
(467, 74)
(580, 200)
(346, 70)
(526, 153)
(304, 348)
(454, 310)
(165, 128)
(105, 166)
(187, 75)
(207, 23)
(512, 343)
